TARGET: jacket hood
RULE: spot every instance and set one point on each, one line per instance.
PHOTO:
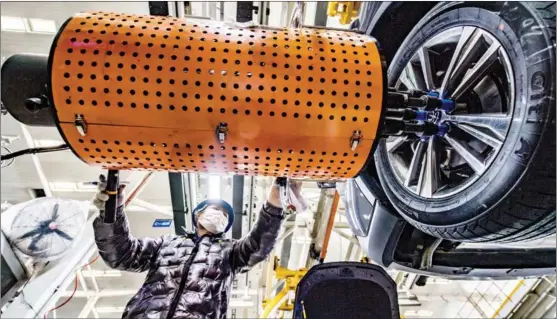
(227, 209)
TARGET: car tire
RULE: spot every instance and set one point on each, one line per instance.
(514, 199)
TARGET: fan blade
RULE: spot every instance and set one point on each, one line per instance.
(63, 234)
(34, 242)
(34, 232)
(55, 212)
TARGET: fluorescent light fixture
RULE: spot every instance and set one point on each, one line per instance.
(13, 24)
(134, 208)
(72, 187)
(63, 186)
(48, 143)
(42, 26)
(86, 187)
(214, 187)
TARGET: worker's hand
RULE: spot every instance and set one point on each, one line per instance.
(295, 188)
(102, 197)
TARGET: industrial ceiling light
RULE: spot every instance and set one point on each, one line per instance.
(72, 187)
(63, 186)
(214, 186)
(16, 24)
(42, 26)
(47, 143)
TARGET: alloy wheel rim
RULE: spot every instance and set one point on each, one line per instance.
(469, 67)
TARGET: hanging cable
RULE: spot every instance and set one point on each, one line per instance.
(35, 150)
(74, 288)
(6, 163)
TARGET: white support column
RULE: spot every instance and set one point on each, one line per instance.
(181, 10)
(89, 306)
(93, 279)
(348, 256)
(91, 301)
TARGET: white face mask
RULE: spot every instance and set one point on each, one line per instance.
(214, 220)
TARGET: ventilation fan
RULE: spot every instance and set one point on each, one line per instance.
(45, 228)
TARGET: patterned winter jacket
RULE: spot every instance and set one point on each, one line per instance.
(187, 277)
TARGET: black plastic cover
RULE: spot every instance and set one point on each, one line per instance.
(346, 290)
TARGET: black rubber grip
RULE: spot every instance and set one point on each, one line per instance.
(112, 184)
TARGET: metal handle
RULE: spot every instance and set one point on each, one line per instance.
(112, 185)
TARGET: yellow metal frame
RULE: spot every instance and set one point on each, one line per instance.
(291, 278)
(347, 10)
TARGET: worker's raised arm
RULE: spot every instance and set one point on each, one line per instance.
(117, 247)
(257, 245)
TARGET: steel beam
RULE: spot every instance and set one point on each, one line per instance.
(178, 199)
(237, 205)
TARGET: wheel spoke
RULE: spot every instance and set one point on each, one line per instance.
(431, 179)
(407, 78)
(420, 183)
(473, 158)
(496, 123)
(478, 71)
(470, 51)
(394, 144)
(486, 138)
(464, 37)
(414, 170)
(425, 62)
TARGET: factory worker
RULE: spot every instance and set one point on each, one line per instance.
(189, 276)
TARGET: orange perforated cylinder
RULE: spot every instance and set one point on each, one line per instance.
(153, 90)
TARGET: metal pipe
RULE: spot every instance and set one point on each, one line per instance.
(286, 233)
(349, 251)
(275, 302)
(330, 224)
(138, 188)
(93, 279)
(346, 236)
(177, 197)
(89, 306)
(427, 256)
